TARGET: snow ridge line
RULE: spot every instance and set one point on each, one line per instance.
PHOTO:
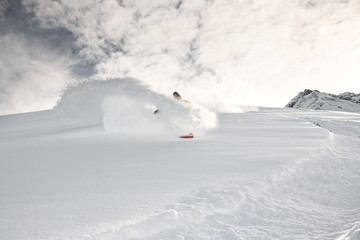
(352, 234)
(342, 159)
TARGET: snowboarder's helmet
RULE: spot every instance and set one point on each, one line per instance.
(176, 95)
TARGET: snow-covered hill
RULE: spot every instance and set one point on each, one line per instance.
(313, 99)
(267, 174)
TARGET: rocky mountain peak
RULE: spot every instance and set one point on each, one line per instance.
(314, 99)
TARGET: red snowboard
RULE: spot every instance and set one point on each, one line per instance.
(190, 135)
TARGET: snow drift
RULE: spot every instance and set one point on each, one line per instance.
(125, 106)
(309, 99)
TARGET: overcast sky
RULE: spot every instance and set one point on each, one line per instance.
(215, 52)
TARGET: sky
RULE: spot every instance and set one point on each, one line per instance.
(214, 52)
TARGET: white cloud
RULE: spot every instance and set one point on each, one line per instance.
(31, 75)
(97, 25)
(4, 4)
(247, 52)
(274, 49)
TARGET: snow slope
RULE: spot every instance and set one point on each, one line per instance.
(309, 99)
(267, 174)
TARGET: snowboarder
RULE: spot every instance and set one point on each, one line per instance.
(177, 96)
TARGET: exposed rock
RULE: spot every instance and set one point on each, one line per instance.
(313, 99)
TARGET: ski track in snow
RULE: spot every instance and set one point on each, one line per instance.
(313, 198)
(271, 174)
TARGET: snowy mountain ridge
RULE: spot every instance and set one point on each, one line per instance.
(314, 99)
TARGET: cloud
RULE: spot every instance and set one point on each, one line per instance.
(31, 75)
(216, 52)
(147, 40)
(3, 6)
(98, 26)
(243, 52)
(269, 51)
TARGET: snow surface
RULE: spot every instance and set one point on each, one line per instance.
(266, 174)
